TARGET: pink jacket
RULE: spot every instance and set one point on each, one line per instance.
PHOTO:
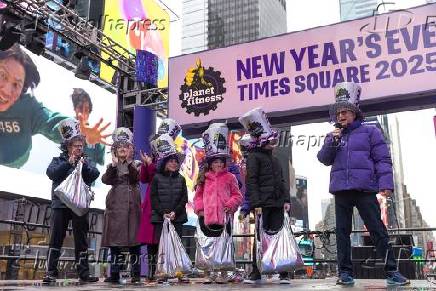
(146, 228)
(219, 190)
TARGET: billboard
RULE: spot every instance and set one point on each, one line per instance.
(138, 24)
(294, 73)
(29, 135)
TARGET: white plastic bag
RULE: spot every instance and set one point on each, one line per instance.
(74, 193)
(172, 256)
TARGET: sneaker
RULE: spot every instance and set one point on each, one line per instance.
(284, 279)
(253, 278)
(222, 280)
(396, 279)
(345, 279)
(209, 280)
(135, 280)
(162, 280)
(89, 279)
(235, 278)
(47, 279)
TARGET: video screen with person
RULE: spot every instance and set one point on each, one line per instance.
(35, 96)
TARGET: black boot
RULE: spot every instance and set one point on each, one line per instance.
(114, 278)
(88, 279)
(48, 278)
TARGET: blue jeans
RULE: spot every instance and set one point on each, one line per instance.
(369, 209)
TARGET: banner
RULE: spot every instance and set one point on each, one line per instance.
(392, 56)
(138, 24)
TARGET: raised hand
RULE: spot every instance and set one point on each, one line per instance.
(94, 134)
(114, 160)
(287, 207)
(72, 159)
(146, 159)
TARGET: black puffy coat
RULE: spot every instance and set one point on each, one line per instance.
(168, 193)
(265, 184)
(59, 169)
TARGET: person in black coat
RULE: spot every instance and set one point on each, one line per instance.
(266, 188)
(169, 196)
(58, 170)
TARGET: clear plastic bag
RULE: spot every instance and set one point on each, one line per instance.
(279, 252)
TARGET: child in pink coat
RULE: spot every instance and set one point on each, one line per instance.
(217, 196)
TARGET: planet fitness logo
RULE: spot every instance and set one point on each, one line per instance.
(202, 91)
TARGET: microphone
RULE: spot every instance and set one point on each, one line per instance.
(337, 138)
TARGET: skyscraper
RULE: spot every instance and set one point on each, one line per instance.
(353, 9)
(195, 26)
(209, 24)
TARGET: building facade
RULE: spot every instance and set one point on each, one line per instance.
(209, 24)
(354, 9)
(195, 26)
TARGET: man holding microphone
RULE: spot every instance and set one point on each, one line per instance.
(361, 168)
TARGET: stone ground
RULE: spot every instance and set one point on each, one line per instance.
(196, 284)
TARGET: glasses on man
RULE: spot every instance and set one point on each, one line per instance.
(342, 112)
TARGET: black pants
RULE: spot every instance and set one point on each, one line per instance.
(117, 260)
(152, 250)
(272, 221)
(152, 259)
(369, 210)
(60, 219)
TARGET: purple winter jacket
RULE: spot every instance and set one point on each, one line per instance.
(361, 162)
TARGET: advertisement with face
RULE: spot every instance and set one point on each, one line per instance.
(36, 95)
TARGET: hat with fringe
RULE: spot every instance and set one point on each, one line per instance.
(347, 96)
(169, 126)
(69, 128)
(256, 123)
(247, 142)
(122, 134)
(215, 140)
(164, 147)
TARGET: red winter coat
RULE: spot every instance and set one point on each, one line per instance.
(146, 228)
(219, 190)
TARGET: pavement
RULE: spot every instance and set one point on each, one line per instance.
(197, 285)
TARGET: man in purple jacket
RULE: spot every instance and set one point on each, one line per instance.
(361, 168)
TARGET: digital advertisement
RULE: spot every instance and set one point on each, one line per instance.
(29, 134)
